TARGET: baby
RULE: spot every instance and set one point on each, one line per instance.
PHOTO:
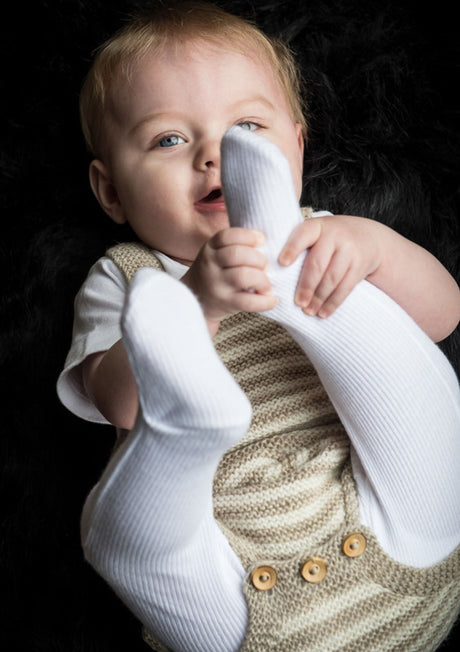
(298, 529)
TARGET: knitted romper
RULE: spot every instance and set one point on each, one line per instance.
(317, 580)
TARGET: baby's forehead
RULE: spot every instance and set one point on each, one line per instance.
(196, 49)
(190, 53)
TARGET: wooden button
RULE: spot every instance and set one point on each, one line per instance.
(314, 570)
(264, 578)
(354, 544)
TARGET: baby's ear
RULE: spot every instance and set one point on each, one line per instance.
(105, 191)
(301, 137)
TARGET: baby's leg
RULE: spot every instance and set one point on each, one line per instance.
(148, 526)
(394, 390)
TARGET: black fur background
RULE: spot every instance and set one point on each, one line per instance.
(381, 80)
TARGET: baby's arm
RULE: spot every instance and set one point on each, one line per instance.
(225, 268)
(110, 384)
(345, 250)
(393, 389)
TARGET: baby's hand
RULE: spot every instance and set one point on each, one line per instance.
(229, 276)
(344, 250)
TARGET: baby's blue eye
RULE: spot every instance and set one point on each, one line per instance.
(249, 126)
(170, 141)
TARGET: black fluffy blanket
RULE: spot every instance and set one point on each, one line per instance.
(382, 85)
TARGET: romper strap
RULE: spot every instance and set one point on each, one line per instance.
(131, 256)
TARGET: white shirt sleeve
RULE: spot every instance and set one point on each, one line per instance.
(97, 312)
(321, 213)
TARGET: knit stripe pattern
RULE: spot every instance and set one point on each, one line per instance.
(285, 493)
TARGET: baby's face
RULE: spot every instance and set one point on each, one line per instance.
(165, 133)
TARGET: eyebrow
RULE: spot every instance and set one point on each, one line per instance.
(258, 99)
(153, 116)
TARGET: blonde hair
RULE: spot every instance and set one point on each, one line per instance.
(178, 23)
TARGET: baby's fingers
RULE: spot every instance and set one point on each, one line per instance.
(313, 271)
(338, 281)
(339, 295)
(304, 236)
(254, 302)
(240, 256)
(247, 279)
(252, 290)
(237, 236)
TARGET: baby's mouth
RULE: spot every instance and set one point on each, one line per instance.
(212, 202)
(213, 196)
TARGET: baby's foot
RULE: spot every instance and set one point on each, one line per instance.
(183, 385)
(259, 194)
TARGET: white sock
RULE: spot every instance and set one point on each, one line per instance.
(148, 527)
(394, 391)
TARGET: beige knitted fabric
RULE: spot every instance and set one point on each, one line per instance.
(285, 494)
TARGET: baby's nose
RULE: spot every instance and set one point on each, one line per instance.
(208, 155)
